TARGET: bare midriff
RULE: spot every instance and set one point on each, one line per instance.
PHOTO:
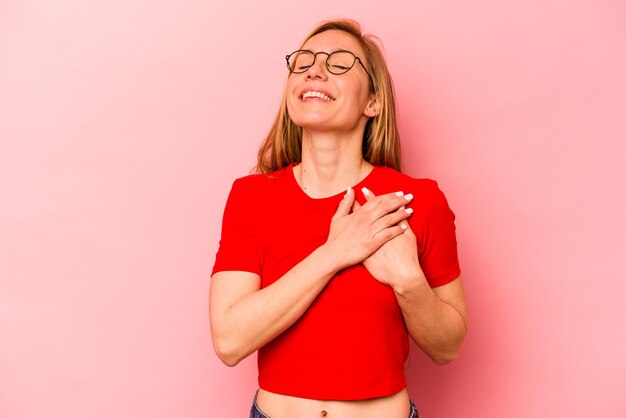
(283, 406)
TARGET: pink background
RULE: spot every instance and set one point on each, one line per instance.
(123, 124)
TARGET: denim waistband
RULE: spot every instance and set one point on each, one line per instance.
(255, 411)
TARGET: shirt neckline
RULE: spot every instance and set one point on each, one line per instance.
(321, 200)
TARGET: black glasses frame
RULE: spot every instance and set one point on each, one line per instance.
(330, 70)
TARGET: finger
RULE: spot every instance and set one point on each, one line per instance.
(388, 234)
(355, 205)
(386, 204)
(408, 229)
(369, 195)
(345, 205)
(395, 218)
(401, 194)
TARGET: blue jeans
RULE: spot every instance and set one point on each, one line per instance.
(255, 412)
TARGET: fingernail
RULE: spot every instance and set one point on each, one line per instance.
(365, 191)
(399, 194)
(404, 226)
(409, 211)
(347, 192)
(408, 196)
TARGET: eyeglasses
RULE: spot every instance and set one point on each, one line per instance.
(337, 62)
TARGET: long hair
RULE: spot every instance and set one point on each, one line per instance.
(381, 143)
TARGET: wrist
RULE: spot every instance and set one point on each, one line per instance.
(329, 260)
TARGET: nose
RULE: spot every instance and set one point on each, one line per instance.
(318, 69)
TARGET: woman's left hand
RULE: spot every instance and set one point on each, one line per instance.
(436, 319)
(395, 262)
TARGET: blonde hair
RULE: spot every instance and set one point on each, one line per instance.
(381, 142)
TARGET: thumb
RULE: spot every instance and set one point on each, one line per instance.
(345, 205)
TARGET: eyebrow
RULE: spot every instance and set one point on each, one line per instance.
(329, 52)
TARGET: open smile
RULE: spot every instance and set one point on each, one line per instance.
(308, 94)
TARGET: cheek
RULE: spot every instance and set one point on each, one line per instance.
(293, 110)
(289, 89)
(356, 91)
(291, 105)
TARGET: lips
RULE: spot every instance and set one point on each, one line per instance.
(319, 94)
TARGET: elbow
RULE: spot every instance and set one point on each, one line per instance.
(441, 359)
(228, 353)
(444, 354)
(228, 359)
(447, 353)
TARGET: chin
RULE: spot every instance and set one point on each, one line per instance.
(312, 123)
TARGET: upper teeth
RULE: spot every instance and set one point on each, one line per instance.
(316, 94)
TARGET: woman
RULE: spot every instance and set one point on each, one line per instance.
(329, 256)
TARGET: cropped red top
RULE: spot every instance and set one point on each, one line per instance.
(352, 342)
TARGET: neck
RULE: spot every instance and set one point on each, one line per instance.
(330, 164)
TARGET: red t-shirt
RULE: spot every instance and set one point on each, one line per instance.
(352, 341)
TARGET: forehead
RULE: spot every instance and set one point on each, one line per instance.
(333, 40)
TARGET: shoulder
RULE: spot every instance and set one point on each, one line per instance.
(258, 183)
(428, 199)
(422, 187)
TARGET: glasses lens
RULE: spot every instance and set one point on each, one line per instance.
(340, 62)
(300, 61)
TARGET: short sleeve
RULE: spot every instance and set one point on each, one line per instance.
(239, 246)
(439, 257)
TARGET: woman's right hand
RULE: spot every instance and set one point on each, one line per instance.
(355, 235)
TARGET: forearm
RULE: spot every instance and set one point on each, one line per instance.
(260, 316)
(436, 326)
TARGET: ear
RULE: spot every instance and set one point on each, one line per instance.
(373, 106)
